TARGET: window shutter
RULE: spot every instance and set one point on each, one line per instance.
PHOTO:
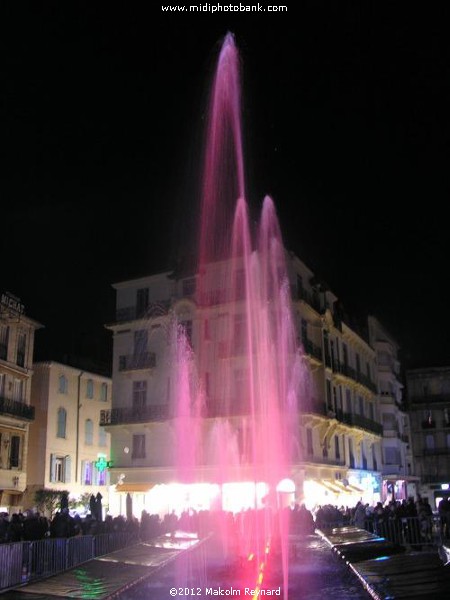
(67, 469)
(52, 468)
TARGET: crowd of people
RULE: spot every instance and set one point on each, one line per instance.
(32, 525)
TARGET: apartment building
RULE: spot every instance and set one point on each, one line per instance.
(339, 429)
(428, 393)
(399, 479)
(17, 332)
(69, 450)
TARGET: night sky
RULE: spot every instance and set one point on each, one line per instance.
(346, 126)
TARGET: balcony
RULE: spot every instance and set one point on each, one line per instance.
(311, 349)
(361, 422)
(322, 460)
(357, 376)
(128, 415)
(444, 451)
(310, 299)
(133, 362)
(14, 408)
(131, 313)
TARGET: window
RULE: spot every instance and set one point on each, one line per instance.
(447, 437)
(4, 338)
(61, 423)
(361, 405)
(21, 349)
(351, 456)
(374, 458)
(138, 446)
(18, 394)
(337, 449)
(363, 458)
(348, 401)
(345, 354)
(89, 432)
(140, 342)
(139, 394)
(102, 437)
(358, 364)
(309, 442)
(142, 302)
(60, 469)
(392, 456)
(89, 389)
(2, 385)
(86, 470)
(62, 384)
(101, 477)
(104, 392)
(14, 454)
(329, 396)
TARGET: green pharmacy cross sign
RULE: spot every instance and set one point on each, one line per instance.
(103, 464)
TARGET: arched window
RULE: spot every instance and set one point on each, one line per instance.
(102, 439)
(62, 387)
(89, 389)
(89, 432)
(61, 423)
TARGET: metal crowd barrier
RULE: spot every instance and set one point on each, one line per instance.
(414, 532)
(23, 562)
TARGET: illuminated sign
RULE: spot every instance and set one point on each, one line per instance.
(12, 303)
(103, 464)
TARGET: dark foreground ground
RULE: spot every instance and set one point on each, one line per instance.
(315, 573)
(152, 572)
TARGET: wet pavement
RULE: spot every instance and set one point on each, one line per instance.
(388, 571)
(166, 569)
(315, 573)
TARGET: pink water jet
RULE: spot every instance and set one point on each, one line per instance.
(237, 417)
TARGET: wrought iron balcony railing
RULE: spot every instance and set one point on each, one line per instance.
(132, 362)
(360, 421)
(127, 415)
(16, 409)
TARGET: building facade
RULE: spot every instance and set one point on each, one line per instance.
(69, 450)
(16, 411)
(339, 430)
(428, 392)
(340, 426)
(399, 479)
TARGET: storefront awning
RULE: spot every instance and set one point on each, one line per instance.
(141, 488)
(343, 489)
(355, 489)
(334, 486)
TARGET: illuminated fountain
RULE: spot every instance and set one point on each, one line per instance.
(236, 421)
